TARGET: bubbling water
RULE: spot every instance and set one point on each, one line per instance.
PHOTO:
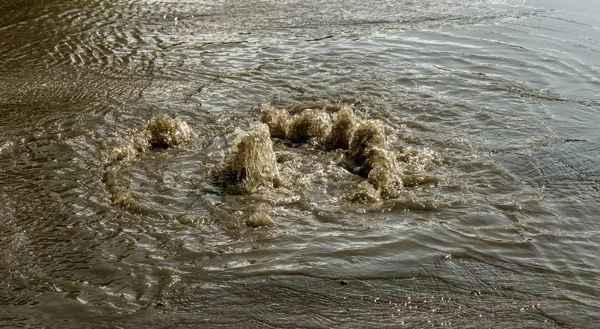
(318, 148)
(366, 142)
(276, 119)
(161, 132)
(251, 164)
(258, 219)
(310, 124)
(370, 156)
(343, 127)
(166, 132)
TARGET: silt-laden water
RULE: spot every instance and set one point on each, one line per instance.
(284, 164)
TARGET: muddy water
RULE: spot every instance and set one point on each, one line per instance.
(487, 132)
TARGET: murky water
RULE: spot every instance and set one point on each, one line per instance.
(468, 199)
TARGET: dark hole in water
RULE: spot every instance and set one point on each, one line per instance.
(161, 146)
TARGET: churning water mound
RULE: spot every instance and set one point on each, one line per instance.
(367, 145)
(415, 164)
(251, 164)
(130, 148)
(366, 193)
(370, 156)
(161, 132)
(369, 135)
(166, 132)
(309, 124)
(343, 127)
(276, 119)
(359, 147)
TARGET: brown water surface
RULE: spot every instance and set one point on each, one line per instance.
(490, 110)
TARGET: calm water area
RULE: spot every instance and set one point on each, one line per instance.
(491, 106)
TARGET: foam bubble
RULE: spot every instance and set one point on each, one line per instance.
(258, 219)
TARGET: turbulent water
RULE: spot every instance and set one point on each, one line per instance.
(299, 164)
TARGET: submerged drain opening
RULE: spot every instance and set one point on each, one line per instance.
(329, 152)
(366, 143)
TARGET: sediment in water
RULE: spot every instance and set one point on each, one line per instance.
(251, 164)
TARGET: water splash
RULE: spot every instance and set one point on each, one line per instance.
(251, 164)
(367, 145)
(330, 139)
(370, 156)
(258, 219)
(166, 132)
(309, 124)
(162, 132)
(343, 127)
(276, 119)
